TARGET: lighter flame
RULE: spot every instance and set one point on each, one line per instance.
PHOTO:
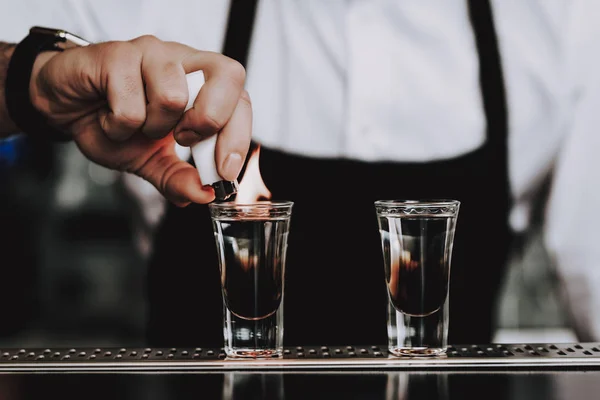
(252, 187)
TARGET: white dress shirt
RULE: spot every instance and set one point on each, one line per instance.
(398, 80)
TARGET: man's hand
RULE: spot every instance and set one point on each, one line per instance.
(123, 103)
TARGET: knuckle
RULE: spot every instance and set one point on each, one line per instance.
(130, 119)
(172, 101)
(173, 95)
(147, 40)
(117, 51)
(211, 121)
(235, 71)
(171, 70)
(245, 98)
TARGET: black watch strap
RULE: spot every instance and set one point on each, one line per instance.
(18, 102)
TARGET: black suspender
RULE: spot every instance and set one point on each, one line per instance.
(491, 80)
(490, 75)
(240, 24)
(238, 35)
(494, 96)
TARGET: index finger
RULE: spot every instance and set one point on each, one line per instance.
(218, 98)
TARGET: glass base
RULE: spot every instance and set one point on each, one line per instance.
(261, 338)
(417, 351)
(253, 353)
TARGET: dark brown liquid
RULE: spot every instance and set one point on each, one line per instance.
(417, 264)
(252, 266)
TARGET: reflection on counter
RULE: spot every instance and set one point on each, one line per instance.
(266, 386)
(374, 385)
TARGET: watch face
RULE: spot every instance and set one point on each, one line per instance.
(64, 39)
(72, 40)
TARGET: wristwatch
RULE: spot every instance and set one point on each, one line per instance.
(18, 77)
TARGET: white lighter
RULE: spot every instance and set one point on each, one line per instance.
(203, 152)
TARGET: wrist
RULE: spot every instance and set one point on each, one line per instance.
(7, 125)
(39, 98)
(27, 54)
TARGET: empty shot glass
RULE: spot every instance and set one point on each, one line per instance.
(251, 243)
(416, 239)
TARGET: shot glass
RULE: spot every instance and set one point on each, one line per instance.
(416, 240)
(251, 244)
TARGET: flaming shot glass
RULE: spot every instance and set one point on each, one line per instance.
(416, 240)
(252, 243)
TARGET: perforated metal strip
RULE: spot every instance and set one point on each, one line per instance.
(530, 356)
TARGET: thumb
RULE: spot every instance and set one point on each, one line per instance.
(177, 180)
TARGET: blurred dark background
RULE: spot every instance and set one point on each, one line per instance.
(70, 270)
(73, 270)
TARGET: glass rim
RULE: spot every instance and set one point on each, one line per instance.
(260, 204)
(417, 202)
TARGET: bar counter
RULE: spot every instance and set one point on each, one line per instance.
(496, 371)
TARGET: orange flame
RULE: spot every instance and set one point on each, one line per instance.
(252, 187)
